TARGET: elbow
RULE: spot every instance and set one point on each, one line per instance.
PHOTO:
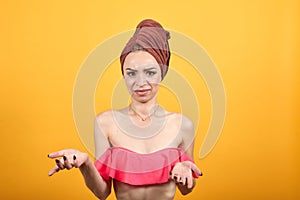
(102, 195)
(100, 192)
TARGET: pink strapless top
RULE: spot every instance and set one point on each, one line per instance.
(134, 168)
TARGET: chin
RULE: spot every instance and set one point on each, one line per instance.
(143, 99)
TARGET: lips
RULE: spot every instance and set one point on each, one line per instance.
(142, 92)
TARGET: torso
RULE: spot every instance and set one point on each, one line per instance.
(164, 191)
(169, 136)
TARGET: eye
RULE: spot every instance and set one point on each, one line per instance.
(150, 73)
(131, 74)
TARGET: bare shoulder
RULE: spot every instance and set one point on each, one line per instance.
(186, 124)
(108, 118)
(105, 114)
(104, 118)
(187, 133)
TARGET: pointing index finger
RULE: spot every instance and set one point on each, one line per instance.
(56, 154)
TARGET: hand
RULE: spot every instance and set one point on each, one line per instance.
(183, 173)
(69, 158)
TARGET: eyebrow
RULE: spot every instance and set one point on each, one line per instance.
(129, 69)
(147, 69)
(151, 68)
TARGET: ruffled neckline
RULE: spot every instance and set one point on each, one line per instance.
(134, 168)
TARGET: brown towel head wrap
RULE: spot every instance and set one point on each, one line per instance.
(150, 36)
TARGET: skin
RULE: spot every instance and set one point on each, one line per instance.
(142, 76)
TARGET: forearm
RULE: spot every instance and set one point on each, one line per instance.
(184, 190)
(100, 187)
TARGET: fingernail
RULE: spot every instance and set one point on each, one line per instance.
(201, 174)
(48, 155)
(74, 157)
(57, 161)
(64, 157)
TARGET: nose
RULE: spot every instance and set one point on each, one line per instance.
(141, 80)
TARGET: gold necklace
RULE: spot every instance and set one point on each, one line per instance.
(143, 118)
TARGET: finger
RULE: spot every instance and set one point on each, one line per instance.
(53, 171)
(180, 180)
(174, 177)
(189, 182)
(57, 154)
(75, 161)
(67, 164)
(183, 181)
(195, 169)
(59, 164)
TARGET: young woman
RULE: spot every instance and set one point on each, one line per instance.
(144, 150)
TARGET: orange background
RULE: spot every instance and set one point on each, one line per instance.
(255, 45)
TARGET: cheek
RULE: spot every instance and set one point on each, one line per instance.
(154, 79)
(155, 87)
(129, 84)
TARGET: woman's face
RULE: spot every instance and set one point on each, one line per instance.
(142, 75)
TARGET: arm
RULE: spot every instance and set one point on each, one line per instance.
(100, 187)
(73, 158)
(184, 179)
(101, 130)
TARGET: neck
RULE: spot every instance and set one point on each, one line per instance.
(144, 109)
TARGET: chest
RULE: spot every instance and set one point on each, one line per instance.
(146, 139)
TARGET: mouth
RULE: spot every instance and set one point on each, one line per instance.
(142, 92)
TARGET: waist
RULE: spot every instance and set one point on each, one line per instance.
(165, 191)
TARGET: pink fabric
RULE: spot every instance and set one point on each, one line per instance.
(139, 169)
